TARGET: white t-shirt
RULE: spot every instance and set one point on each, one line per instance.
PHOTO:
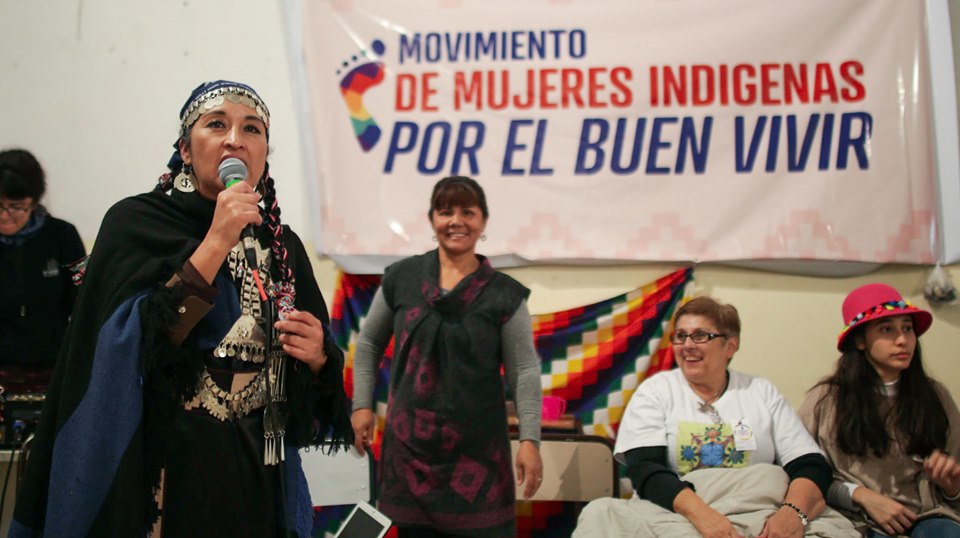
(757, 424)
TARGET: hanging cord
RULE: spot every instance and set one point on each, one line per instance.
(259, 283)
(250, 256)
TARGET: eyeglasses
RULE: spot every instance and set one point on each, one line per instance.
(698, 337)
(14, 210)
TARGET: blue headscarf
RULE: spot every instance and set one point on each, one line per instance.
(193, 108)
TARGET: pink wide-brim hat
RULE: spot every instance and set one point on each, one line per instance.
(876, 301)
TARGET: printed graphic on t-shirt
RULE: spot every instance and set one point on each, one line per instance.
(703, 446)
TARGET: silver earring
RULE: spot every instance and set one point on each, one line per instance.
(185, 182)
(434, 239)
(483, 237)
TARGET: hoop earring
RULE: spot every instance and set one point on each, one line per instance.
(434, 238)
(483, 237)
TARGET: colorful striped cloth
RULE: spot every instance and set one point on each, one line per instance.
(595, 356)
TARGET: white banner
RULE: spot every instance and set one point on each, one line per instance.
(681, 130)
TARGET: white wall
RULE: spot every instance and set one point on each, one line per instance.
(93, 88)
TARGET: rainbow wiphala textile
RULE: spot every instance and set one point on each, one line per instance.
(594, 356)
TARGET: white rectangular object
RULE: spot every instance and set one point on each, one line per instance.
(364, 522)
(335, 479)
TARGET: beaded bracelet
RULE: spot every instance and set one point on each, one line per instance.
(803, 517)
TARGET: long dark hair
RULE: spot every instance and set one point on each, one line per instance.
(917, 415)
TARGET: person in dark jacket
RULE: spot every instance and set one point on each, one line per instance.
(37, 295)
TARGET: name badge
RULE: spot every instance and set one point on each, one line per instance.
(743, 436)
(52, 269)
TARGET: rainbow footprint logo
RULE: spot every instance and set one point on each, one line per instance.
(354, 84)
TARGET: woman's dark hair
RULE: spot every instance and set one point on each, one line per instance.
(21, 176)
(917, 414)
(457, 191)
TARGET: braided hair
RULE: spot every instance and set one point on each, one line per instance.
(164, 183)
(271, 217)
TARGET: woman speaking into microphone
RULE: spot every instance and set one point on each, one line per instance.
(193, 368)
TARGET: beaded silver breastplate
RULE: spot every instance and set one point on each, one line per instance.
(246, 340)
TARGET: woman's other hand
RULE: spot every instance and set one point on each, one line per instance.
(529, 468)
(708, 522)
(783, 523)
(362, 421)
(301, 335)
(944, 471)
(713, 524)
(891, 516)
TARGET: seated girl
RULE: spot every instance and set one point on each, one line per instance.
(891, 433)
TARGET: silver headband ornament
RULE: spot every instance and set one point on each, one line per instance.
(216, 97)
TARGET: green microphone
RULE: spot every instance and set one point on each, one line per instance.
(232, 170)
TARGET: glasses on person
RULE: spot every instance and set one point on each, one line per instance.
(698, 337)
(13, 210)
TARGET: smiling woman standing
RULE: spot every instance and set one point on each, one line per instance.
(445, 465)
(190, 376)
(891, 433)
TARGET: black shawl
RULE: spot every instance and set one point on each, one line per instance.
(99, 448)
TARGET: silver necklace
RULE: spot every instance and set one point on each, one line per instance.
(707, 407)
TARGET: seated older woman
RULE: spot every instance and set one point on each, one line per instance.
(748, 466)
